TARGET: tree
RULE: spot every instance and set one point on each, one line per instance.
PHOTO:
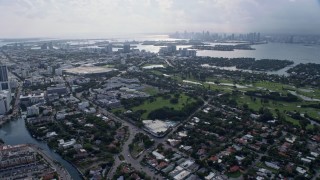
(245, 106)
(265, 114)
(160, 146)
(174, 101)
(88, 146)
(304, 123)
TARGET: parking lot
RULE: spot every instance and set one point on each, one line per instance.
(24, 171)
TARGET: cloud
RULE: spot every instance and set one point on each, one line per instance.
(54, 18)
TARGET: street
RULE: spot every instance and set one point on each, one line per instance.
(133, 130)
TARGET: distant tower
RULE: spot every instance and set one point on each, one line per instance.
(50, 45)
(172, 48)
(5, 92)
(4, 82)
(123, 61)
(109, 48)
(291, 39)
(49, 70)
(5, 100)
(44, 46)
(126, 48)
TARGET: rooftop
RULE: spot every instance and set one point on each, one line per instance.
(88, 70)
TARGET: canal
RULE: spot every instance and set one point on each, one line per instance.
(15, 132)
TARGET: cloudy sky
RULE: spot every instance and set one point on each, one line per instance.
(63, 18)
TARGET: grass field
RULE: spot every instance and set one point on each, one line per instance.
(273, 86)
(156, 72)
(281, 106)
(272, 104)
(118, 109)
(160, 102)
(151, 90)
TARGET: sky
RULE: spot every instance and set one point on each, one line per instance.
(99, 18)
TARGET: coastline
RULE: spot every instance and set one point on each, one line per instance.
(15, 132)
(53, 149)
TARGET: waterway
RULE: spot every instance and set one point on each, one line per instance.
(298, 53)
(15, 132)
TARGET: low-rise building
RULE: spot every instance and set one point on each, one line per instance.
(157, 155)
(83, 105)
(68, 144)
(16, 155)
(32, 111)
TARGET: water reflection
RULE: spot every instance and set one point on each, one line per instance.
(15, 132)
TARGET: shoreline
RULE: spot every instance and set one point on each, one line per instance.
(54, 150)
(26, 138)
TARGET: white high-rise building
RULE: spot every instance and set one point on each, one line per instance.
(4, 82)
(5, 99)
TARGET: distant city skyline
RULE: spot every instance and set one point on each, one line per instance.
(104, 18)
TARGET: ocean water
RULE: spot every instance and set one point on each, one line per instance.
(298, 53)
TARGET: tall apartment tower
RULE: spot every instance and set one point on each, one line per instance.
(126, 48)
(5, 92)
(4, 81)
(109, 48)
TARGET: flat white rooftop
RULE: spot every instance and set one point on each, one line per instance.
(156, 126)
(83, 70)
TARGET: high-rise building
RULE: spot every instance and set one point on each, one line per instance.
(291, 39)
(5, 100)
(58, 71)
(172, 48)
(4, 81)
(3, 73)
(109, 48)
(123, 61)
(126, 48)
(44, 46)
(49, 70)
(24, 73)
(50, 45)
